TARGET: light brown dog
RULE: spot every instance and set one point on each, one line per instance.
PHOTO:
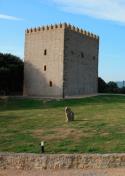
(69, 114)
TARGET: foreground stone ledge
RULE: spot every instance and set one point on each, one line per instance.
(61, 161)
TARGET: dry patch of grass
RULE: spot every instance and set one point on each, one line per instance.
(59, 134)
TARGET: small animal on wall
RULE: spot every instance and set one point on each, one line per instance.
(69, 114)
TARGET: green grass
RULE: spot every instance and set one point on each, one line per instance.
(99, 125)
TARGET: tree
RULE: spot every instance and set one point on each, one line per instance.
(11, 74)
(123, 90)
(112, 87)
(102, 86)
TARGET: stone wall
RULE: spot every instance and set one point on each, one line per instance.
(61, 161)
(81, 64)
(44, 63)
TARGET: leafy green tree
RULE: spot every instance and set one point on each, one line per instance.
(11, 74)
(123, 90)
(102, 86)
(112, 87)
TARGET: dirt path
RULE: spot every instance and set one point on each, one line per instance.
(94, 172)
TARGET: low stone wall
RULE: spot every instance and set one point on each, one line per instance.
(61, 161)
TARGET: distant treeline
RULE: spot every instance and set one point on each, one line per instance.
(11, 74)
(110, 87)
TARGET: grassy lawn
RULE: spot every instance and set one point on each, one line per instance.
(99, 125)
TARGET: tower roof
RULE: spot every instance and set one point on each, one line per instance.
(64, 26)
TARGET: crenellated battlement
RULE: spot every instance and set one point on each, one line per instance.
(63, 26)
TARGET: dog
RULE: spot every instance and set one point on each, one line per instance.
(69, 114)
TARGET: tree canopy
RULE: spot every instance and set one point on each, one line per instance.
(110, 87)
(11, 74)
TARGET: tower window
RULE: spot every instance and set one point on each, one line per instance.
(94, 58)
(82, 54)
(50, 84)
(44, 67)
(45, 52)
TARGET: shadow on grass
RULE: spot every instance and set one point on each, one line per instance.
(25, 104)
(84, 120)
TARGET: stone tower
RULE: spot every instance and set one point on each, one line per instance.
(60, 61)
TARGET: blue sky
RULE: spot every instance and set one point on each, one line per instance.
(105, 18)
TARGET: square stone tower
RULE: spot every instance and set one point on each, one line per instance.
(60, 61)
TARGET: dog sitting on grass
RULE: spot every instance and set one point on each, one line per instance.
(69, 114)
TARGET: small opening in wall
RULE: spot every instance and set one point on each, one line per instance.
(45, 52)
(94, 58)
(82, 54)
(72, 52)
(44, 67)
(50, 84)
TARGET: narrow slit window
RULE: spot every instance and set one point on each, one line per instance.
(50, 84)
(44, 67)
(82, 54)
(45, 52)
(94, 57)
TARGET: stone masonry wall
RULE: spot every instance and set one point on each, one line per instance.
(61, 161)
(44, 63)
(81, 64)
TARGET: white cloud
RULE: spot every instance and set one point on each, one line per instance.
(7, 17)
(102, 9)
